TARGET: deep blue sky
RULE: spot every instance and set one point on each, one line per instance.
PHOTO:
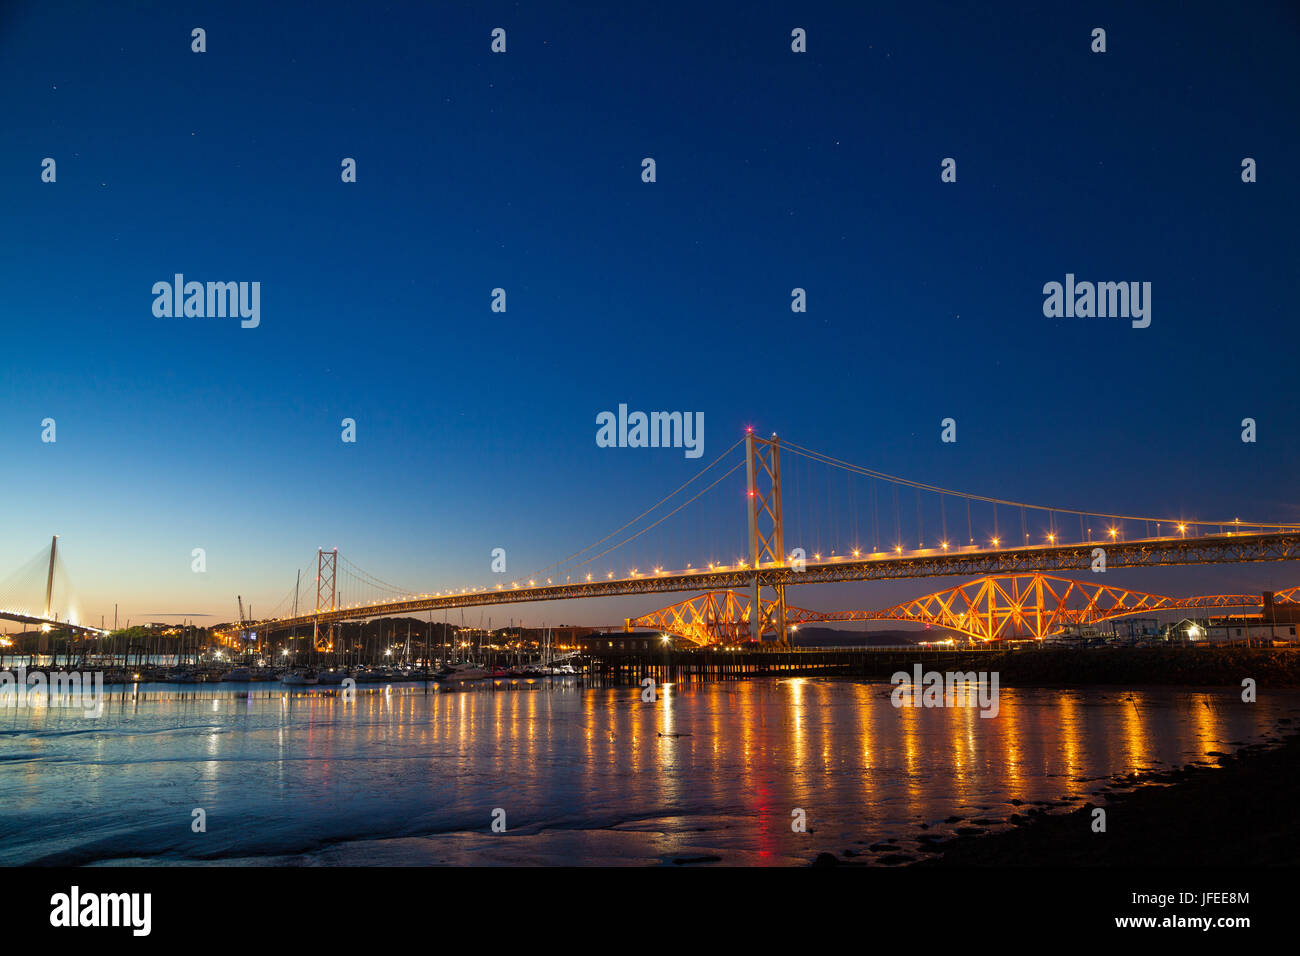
(775, 170)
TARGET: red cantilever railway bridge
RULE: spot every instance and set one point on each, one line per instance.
(992, 607)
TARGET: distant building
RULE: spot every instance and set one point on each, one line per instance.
(636, 641)
(569, 635)
(1231, 630)
(1135, 628)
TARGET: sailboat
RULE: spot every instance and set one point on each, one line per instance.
(462, 670)
(538, 667)
(297, 677)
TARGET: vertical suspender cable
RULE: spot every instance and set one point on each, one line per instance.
(898, 531)
(920, 531)
(875, 519)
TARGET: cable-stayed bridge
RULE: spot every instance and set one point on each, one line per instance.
(43, 574)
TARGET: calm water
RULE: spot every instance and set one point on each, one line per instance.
(401, 776)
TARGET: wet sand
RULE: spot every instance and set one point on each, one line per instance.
(1234, 809)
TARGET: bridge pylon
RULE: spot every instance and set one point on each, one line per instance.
(327, 564)
(43, 644)
(49, 580)
(766, 537)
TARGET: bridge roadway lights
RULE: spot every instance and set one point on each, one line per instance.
(1152, 552)
(51, 623)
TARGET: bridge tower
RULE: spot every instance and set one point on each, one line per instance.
(327, 563)
(766, 539)
(49, 580)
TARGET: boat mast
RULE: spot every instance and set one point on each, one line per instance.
(296, 583)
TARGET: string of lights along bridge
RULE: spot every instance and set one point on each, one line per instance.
(852, 523)
(740, 524)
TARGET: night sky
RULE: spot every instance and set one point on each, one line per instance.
(523, 171)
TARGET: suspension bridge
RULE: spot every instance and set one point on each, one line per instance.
(860, 526)
(629, 561)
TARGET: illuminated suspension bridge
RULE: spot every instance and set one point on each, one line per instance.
(845, 522)
(871, 538)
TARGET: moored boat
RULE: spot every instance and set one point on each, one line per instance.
(464, 671)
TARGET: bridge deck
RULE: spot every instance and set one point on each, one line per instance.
(1146, 552)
